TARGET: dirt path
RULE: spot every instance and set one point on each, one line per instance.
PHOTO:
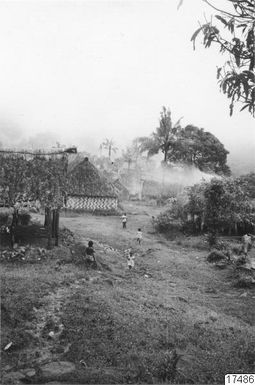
(171, 298)
(173, 269)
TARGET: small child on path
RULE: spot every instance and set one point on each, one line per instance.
(124, 221)
(139, 236)
(130, 259)
(90, 252)
(247, 243)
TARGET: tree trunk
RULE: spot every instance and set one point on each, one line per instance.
(49, 227)
(13, 227)
(165, 156)
(56, 227)
(46, 217)
(53, 223)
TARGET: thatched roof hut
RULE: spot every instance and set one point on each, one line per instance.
(120, 190)
(88, 190)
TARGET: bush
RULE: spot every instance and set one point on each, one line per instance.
(211, 238)
(24, 217)
(4, 214)
(165, 223)
(106, 212)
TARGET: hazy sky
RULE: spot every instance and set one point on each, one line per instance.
(81, 71)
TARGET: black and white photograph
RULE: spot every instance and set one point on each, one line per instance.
(127, 192)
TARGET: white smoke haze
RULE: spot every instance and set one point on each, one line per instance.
(155, 179)
(180, 175)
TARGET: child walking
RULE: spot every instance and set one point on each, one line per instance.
(139, 236)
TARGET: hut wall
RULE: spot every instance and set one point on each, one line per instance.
(91, 203)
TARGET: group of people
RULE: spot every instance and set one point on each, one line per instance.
(129, 255)
(139, 234)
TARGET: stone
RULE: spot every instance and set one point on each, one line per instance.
(182, 299)
(108, 281)
(210, 290)
(94, 280)
(55, 369)
(13, 377)
(213, 316)
(221, 264)
(29, 372)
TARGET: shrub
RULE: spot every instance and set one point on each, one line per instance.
(4, 214)
(106, 212)
(165, 223)
(24, 217)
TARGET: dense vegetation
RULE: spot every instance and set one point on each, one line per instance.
(219, 206)
(189, 145)
(233, 32)
(38, 178)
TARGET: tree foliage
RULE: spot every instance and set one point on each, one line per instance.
(248, 184)
(221, 205)
(190, 146)
(37, 178)
(234, 33)
(201, 149)
(131, 154)
(164, 136)
(109, 145)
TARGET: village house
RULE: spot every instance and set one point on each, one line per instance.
(88, 190)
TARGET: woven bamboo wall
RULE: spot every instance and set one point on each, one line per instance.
(91, 203)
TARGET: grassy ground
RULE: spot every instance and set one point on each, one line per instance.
(174, 318)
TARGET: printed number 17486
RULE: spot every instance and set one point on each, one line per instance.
(238, 379)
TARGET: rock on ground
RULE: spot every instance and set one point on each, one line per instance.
(55, 369)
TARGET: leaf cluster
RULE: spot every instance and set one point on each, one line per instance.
(201, 149)
(39, 177)
(221, 204)
(164, 136)
(235, 35)
(190, 146)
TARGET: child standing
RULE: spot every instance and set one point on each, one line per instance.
(124, 221)
(90, 252)
(130, 259)
(139, 236)
(247, 243)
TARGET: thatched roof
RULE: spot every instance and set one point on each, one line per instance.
(85, 180)
(120, 189)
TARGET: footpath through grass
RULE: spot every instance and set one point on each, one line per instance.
(174, 318)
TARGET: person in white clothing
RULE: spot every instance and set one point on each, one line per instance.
(124, 221)
(130, 259)
(247, 243)
(139, 236)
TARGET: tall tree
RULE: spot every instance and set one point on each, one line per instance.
(234, 33)
(190, 145)
(131, 153)
(201, 149)
(109, 145)
(163, 138)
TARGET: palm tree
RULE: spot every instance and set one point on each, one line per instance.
(108, 144)
(164, 136)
